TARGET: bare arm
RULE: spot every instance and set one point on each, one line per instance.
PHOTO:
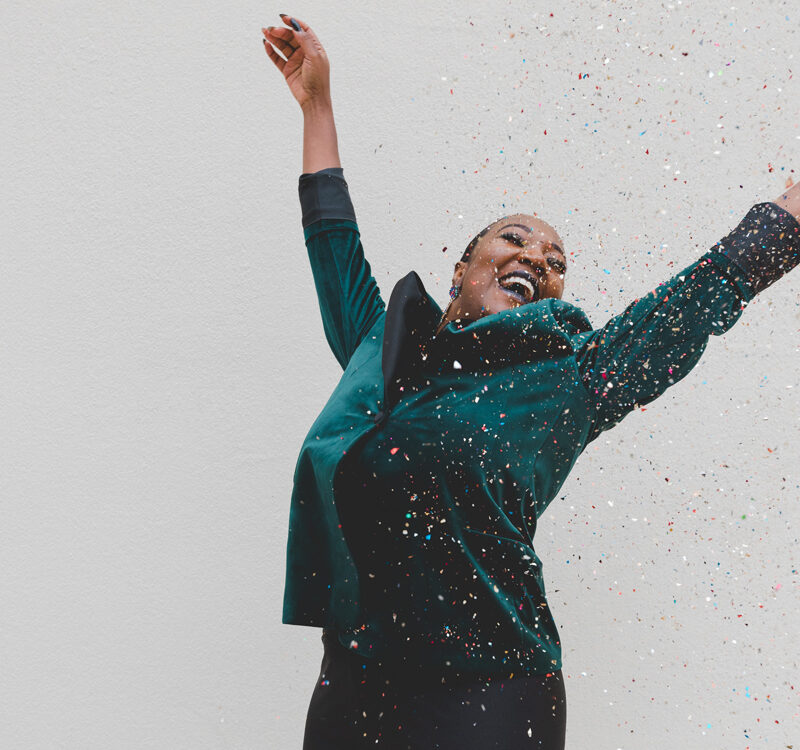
(320, 146)
(789, 200)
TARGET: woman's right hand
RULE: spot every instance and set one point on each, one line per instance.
(306, 68)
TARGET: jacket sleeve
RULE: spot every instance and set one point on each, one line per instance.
(349, 299)
(660, 337)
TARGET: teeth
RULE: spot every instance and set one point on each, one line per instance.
(505, 283)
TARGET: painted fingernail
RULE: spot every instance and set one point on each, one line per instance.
(295, 24)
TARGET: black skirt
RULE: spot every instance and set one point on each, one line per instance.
(359, 702)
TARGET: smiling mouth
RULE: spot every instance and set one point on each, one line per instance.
(520, 285)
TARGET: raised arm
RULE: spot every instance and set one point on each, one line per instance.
(660, 337)
(349, 299)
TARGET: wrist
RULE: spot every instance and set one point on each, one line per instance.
(318, 107)
(789, 201)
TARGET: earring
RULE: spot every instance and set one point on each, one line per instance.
(454, 290)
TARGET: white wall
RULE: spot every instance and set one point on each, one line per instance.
(162, 354)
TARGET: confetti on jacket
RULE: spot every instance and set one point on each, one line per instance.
(419, 485)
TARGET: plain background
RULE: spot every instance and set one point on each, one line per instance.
(162, 354)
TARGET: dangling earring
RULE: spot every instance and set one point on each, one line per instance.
(454, 291)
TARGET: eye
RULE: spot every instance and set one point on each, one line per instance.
(517, 240)
(512, 237)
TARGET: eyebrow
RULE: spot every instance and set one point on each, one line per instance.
(554, 245)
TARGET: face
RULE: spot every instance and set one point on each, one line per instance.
(518, 246)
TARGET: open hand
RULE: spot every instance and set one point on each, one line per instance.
(306, 67)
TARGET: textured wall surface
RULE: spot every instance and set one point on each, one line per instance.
(163, 354)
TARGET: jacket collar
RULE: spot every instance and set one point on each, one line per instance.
(411, 319)
(525, 334)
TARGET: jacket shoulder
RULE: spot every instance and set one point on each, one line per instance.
(567, 316)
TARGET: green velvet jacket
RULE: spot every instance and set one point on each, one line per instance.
(418, 487)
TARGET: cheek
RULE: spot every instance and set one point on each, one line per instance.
(487, 297)
(480, 284)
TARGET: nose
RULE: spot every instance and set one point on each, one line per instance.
(534, 255)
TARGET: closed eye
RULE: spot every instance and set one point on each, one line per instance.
(517, 240)
(513, 237)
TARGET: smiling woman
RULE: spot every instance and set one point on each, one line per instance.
(514, 261)
(419, 486)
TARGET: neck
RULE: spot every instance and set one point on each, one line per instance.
(445, 318)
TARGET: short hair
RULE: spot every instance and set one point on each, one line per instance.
(465, 257)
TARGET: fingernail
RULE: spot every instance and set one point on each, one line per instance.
(295, 24)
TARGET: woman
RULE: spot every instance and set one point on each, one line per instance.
(418, 488)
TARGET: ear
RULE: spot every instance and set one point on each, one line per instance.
(458, 274)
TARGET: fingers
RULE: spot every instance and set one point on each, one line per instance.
(304, 27)
(306, 38)
(281, 38)
(280, 63)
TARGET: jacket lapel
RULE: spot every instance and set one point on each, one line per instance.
(411, 317)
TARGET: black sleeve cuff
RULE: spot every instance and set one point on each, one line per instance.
(765, 244)
(324, 195)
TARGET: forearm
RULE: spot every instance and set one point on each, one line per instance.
(320, 145)
(789, 200)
